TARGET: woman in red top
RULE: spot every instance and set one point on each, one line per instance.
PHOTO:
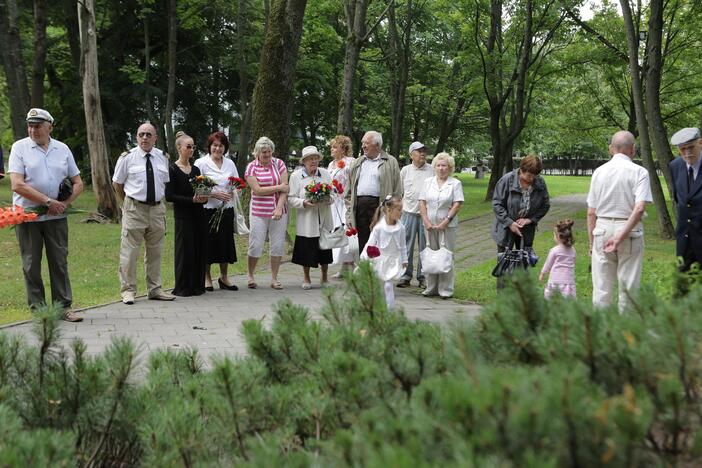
(268, 213)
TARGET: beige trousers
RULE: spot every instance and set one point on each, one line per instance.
(146, 223)
(621, 268)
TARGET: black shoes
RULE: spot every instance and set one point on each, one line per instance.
(223, 285)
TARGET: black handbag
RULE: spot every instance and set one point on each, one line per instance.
(65, 190)
(512, 260)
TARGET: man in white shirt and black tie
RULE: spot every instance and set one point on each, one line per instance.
(140, 179)
(687, 195)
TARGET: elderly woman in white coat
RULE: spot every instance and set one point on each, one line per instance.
(439, 201)
(310, 217)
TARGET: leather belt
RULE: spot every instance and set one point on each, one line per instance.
(145, 203)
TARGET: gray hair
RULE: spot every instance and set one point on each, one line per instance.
(377, 137)
(450, 162)
(623, 140)
(263, 143)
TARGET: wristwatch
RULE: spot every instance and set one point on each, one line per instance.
(47, 203)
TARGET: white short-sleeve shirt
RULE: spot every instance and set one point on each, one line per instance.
(220, 175)
(412, 179)
(42, 170)
(440, 199)
(617, 186)
(130, 170)
(369, 178)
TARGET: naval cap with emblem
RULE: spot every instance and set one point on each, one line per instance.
(37, 115)
(685, 135)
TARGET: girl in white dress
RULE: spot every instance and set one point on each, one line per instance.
(388, 237)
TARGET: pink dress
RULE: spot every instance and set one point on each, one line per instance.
(560, 266)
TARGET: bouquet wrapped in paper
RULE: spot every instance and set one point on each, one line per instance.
(202, 185)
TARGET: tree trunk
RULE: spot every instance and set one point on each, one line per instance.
(172, 58)
(653, 87)
(244, 107)
(13, 66)
(38, 67)
(153, 118)
(273, 93)
(398, 64)
(632, 39)
(355, 12)
(97, 145)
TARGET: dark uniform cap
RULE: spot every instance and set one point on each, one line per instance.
(685, 135)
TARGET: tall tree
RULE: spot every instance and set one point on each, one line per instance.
(509, 70)
(244, 96)
(13, 65)
(97, 146)
(172, 56)
(272, 97)
(632, 36)
(39, 64)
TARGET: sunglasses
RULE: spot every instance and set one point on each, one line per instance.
(145, 135)
(190, 146)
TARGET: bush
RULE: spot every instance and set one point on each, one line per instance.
(529, 383)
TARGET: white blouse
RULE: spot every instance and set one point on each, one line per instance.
(220, 175)
(440, 199)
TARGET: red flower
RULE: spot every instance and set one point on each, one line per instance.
(340, 164)
(338, 188)
(372, 251)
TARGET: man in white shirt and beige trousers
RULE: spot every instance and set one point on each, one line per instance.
(619, 192)
(140, 179)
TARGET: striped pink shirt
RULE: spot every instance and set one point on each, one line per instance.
(267, 176)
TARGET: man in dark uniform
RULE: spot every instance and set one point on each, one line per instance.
(687, 194)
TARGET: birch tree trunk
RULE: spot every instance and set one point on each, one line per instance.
(38, 67)
(632, 40)
(170, 96)
(13, 66)
(97, 145)
(355, 12)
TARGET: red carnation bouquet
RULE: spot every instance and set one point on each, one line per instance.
(237, 183)
(233, 183)
(317, 192)
(372, 251)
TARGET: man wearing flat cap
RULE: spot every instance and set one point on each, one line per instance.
(412, 177)
(687, 195)
(37, 166)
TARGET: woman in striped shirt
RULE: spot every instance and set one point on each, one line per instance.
(268, 213)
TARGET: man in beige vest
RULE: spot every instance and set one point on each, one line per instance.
(140, 179)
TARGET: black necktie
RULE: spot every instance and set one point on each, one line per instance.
(150, 184)
(690, 178)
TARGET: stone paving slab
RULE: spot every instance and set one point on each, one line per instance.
(212, 322)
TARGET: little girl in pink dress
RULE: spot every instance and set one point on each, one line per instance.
(560, 263)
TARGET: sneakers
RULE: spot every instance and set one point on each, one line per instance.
(405, 283)
(70, 316)
(161, 296)
(128, 297)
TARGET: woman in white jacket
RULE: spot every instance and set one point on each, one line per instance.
(310, 217)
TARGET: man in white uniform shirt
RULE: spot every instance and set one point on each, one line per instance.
(619, 191)
(412, 178)
(373, 176)
(37, 166)
(140, 179)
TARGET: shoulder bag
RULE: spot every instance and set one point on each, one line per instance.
(437, 262)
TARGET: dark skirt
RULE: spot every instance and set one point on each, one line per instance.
(189, 252)
(220, 244)
(307, 253)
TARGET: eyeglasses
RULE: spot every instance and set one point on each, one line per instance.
(145, 135)
(190, 146)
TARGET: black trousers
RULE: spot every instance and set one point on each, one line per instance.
(364, 212)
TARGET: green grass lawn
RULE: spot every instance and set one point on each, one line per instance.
(476, 284)
(94, 253)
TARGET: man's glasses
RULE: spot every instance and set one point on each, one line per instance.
(145, 135)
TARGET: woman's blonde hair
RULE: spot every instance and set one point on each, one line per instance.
(444, 157)
(263, 143)
(388, 204)
(344, 142)
(180, 136)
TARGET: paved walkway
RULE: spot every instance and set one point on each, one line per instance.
(211, 322)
